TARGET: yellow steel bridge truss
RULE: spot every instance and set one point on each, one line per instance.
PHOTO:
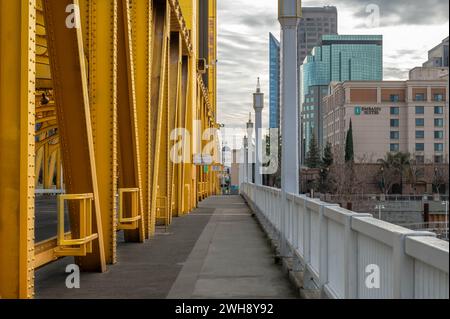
(90, 93)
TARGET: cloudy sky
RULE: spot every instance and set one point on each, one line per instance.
(410, 28)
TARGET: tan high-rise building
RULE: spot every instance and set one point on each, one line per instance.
(389, 116)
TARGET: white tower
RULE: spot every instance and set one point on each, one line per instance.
(250, 151)
(289, 13)
(258, 105)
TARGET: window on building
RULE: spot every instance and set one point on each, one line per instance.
(420, 134)
(439, 110)
(420, 159)
(395, 135)
(395, 123)
(439, 135)
(395, 98)
(420, 97)
(420, 122)
(395, 147)
(395, 110)
(439, 122)
(438, 147)
(438, 97)
(439, 159)
(420, 147)
(420, 110)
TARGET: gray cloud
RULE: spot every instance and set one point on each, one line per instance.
(243, 36)
(410, 12)
(393, 73)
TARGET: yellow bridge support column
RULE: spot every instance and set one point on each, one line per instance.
(129, 158)
(96, 100)
(159, 108)
(142, 17)
(17, 80)
(70, 81)
(99, 20)
(174, 104)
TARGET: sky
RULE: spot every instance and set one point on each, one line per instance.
(409, 27)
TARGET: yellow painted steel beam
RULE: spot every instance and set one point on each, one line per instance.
(212, 69)
(17, 104)
(175, 66)
(179, 24)
(188, 172)
(99, 19)
(181, 123)
(69, 76)
(158, 89)
(142, 13)
(129, 155)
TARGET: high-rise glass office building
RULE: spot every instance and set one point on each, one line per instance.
(315, 22)
(338, 58)
(274, 76)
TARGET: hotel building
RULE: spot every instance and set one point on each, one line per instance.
(338, 58)
(401, 116)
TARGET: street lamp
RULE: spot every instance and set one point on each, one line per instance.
(250, 127)
(258, 106)
(379, 207)
(246, 158)
(383, 185)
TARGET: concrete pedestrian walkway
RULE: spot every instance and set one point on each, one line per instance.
(218, 251)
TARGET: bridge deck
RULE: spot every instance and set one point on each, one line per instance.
(218, 251)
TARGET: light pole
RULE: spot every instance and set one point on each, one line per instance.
(289, 14)
(258, 106)
(379, 207)
(224, 149)
(250, 127)
(245, 159)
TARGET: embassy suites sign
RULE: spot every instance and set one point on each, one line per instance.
(367, 110)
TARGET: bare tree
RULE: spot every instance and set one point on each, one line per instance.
(416, 171)
(440, 177)
(388, 175)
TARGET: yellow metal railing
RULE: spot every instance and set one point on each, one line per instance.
(132, 222)
(81, 246)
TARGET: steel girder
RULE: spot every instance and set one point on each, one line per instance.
(101, 101)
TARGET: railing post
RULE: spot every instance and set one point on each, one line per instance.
(307, 276)
(323, 247)
(351, 257)
(403, 266)
(323, 250)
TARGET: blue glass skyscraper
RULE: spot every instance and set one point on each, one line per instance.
(274, 76)
(339, 58)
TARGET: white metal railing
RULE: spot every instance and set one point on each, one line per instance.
(349, 255)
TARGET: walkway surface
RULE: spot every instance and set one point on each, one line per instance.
(218, 251)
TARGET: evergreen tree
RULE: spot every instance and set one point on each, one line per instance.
(313, 156)
(349, 152)
(326, 182)
(328, 160)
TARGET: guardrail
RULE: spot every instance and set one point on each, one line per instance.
(352, 256)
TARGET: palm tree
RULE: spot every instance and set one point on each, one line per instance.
(388, 172)
(403, 164)
(392, 166)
